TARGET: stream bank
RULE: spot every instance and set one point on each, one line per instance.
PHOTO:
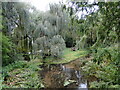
(67, 75)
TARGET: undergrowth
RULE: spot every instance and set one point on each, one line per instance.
(67, 56)
(21, 74)
(104, 66)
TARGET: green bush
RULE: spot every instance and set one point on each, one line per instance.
(109, 55)
(9, 54)
(10, 67)
(5, 49)
(103, 66)
(102, 85)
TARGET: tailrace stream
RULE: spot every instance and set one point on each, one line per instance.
(64, 76)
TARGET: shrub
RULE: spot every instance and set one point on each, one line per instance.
(105, 67)
(9, 54)
(6, 49)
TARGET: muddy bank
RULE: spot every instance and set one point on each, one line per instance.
(64, 75)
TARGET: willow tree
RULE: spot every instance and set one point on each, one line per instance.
(17, 24)
(47, 36)
(10, 17)
(23, 30)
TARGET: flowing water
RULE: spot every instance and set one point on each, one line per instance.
(64, 76)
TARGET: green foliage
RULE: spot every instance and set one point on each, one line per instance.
(15, 65)
(106, 54)
(82, 43)
(22, 74)
(1, 80)
(103, 85)
(0, 19)
(9, 68)
(100, 25)
(8, 50)
(6, 44)
(70, 40)
(58, 46)
(67, 56)
(46, 33)
(90, 68)
(48, 40)
(103, 66)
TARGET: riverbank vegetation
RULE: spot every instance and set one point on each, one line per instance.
(31, 39)
(68, 56)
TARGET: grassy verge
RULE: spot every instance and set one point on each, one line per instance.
(68, 56)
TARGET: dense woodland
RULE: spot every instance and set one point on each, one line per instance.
(31, 39)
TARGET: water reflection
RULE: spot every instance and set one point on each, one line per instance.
(82, 85)
(56, 75)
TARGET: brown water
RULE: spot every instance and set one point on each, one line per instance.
(62, 75)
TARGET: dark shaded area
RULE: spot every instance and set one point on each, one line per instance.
(26, 57)
(70, 42)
